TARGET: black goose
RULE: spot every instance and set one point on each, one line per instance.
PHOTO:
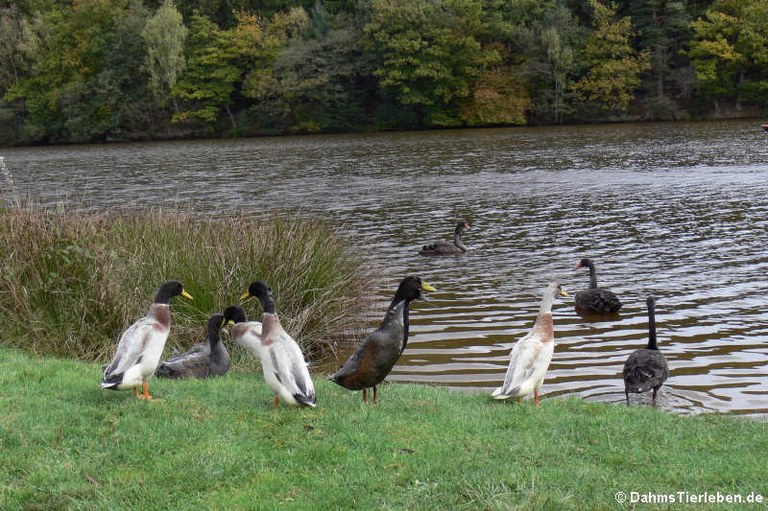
(447, 247)
(374, 358)
(646, 369)
(596, 299)
(206, 359)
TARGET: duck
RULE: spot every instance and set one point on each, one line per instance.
(283, 365)
(596, 299)
(446, 247)
(646, 368)
(206, 359)
(372, 361)
(531, 355)
(141, 345)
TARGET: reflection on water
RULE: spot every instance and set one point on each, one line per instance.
(675, 210)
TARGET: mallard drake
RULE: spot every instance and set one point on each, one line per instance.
(446, 247)
(646, 369)
(206, 359)
(141, 345)
(374, 358)
(596, 299)
(530, 357)
(282, 361)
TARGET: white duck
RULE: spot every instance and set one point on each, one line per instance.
(530, 357)
(141, 345)
(282, 361)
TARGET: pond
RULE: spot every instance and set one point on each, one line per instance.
(678, 211)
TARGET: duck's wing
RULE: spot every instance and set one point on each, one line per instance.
(371, 361)
(131, 347)
(524, 363)
(290, 368)
(194, 363)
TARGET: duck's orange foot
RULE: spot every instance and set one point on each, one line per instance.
(146, 396)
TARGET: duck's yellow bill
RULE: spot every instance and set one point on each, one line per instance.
(186, 295)
(245, 295)
(427, 287)
(563, 292)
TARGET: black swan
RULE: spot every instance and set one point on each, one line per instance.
(374, 358)
(446, 247)
(646, 369)
(596, 299)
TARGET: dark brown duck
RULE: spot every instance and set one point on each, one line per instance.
(374, 358)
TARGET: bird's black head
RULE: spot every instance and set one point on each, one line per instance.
(411, 288)
(584, 263)
(650, 302)
(170, 289)
(233, 314)
(263, 293)
(215, 322)
(462, 224)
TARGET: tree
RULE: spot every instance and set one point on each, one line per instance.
(207, 84)
(548, 42)
(663, 30)
(614, 66)
(320, 82)
(164, 37)
(730, 51)
(71, 94)
(429, 57)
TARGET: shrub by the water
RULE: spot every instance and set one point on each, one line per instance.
(72, 281)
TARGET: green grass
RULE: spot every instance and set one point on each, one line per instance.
(219, 444)
(71, 282)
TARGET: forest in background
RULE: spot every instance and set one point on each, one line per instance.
(79, 71)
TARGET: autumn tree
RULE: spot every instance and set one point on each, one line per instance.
(428, 53)
(614, 66)
(730, 51)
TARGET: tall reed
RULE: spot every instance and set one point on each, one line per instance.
(72, 281)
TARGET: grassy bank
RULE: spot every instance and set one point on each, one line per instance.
(71, 282)
(219, 444)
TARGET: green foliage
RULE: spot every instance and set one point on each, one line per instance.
(428, 53)
(97, 70)
(219, 444)
(164, 36)
(730, 49)
(550, 43)
(614, 67)
(207, 85)
(72, 282)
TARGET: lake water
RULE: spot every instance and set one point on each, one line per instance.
(679, 211)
